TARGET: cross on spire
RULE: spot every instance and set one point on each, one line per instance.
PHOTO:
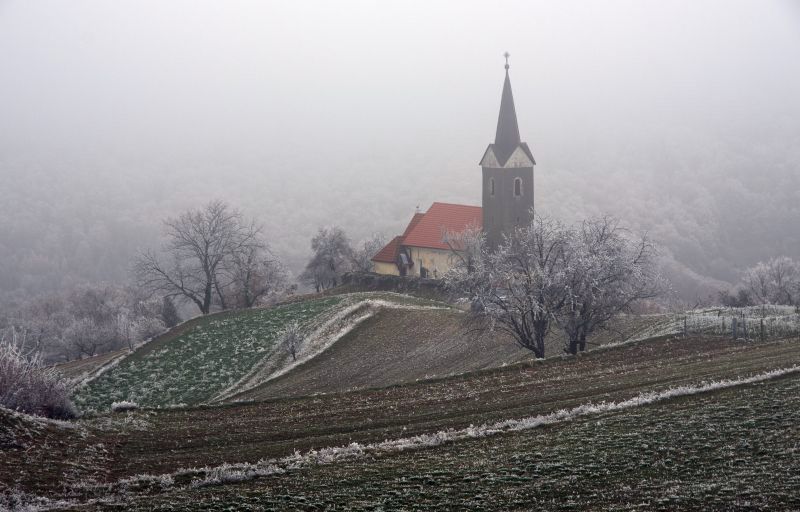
(506, 55)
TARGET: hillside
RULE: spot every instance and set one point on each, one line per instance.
(188, 451)
(198, 360)
(210, 358)
(397, 346)
(356, 340)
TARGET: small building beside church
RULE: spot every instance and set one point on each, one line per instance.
(421, 250)
(507, 202)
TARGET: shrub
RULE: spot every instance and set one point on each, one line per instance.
(291, 339)
(124, 406)
(27, 386)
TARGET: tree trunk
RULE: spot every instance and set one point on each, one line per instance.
(539, 334)
(206, 307)
(582, 343)
(222, 303)
(573, 346)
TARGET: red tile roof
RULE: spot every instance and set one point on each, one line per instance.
(427, 232)
(389, 253)
(414, 221)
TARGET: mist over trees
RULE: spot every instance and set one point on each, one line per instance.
(84, 321)
(212, 256)
(700, 152)
(713, 216)
(776, 281)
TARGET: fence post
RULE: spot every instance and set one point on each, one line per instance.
(734, 327)
(685, 331)
(762, 329)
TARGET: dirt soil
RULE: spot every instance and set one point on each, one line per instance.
(400, 346)
(111, 447)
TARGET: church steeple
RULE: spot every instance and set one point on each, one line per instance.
(507, 168)
(507, 138)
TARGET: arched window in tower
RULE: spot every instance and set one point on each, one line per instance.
(491, 186)
(517, 187)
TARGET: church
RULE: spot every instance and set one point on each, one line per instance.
(507, 202)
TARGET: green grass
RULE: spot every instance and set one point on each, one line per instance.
(200, 362)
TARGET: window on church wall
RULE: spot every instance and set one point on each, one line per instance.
(491, 186)
(517, 187)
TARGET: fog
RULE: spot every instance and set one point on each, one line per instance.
(681, 118)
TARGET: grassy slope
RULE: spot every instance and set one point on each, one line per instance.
(197, 361)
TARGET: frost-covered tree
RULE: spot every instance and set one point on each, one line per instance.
(577, 278)
(332, 257)
(605, 271)
(87, 320)
(776, 281)
(291, 339)
(516, 288)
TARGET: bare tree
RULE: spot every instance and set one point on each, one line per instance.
(332, 257)
(363, 253)
(169, 313)
(253, 274)
(467, 246)
(198, 244)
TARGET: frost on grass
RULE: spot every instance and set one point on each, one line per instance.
(27, 386)
(124, 406)
(233, 473)
(198, 364)
(24, 502)
(320, 335)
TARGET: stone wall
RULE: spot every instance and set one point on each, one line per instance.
(370, 282)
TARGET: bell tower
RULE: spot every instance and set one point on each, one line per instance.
(507, 168)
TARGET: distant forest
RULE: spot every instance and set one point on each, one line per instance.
(716, 204)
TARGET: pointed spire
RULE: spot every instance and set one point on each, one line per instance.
(507, 138)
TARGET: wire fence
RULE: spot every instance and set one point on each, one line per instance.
(754, 323)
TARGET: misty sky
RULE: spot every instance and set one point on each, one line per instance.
(267, 79)
(307, 113)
